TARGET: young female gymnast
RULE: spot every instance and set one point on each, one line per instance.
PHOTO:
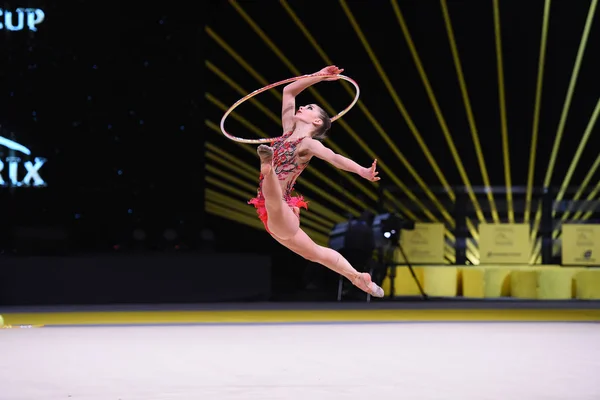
(282, 164)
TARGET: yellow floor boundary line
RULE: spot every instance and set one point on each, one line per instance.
(295, 316)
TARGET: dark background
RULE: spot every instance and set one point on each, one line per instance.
(123, 100)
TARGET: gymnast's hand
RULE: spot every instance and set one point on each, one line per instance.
(370, 173)
(332, 69)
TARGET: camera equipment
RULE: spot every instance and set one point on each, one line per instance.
(388, 228)
(360, 237)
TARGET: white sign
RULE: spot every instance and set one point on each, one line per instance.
(9, 167)
(15, 20)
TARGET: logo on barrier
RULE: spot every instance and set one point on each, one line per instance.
(424, 244)
(580, 242)
(10, 166)
(15, 20)
(504, 243)
(502, 239)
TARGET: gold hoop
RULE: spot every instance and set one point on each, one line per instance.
(264, 89)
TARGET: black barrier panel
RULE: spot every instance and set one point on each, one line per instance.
(121, 279)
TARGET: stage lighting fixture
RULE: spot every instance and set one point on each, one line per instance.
(368, 231)
(387, 228)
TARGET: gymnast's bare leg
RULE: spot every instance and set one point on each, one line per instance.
(282, 220)
(304, 246)
(285, 228)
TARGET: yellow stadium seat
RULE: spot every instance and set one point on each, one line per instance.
(404, 283)
(486, 282)
(541, 282)
(472, 282)
(441, 281)
(438, 281)
(544, 283)
(587, 284)
(555, 284)
(523, 284)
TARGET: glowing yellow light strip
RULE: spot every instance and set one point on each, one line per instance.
(591, 197)
(370, 116)
(214, 69)
(231, 189)
(228, 176)
(467, 102)
(438, 111)
(536, 112)
(537, 247)
(241, 167)
(583, 186)
(471, 242)
(566, 106)
(240, 60)
(397, 100)
(450, 248)
(330, 183)
(505, 148)
(472, 253)
(225, 200)
(242, 218)
(382, 166)
(577, 156)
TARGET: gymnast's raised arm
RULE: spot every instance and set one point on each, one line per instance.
(290, 91)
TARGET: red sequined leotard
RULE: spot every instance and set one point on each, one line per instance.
(287, 167)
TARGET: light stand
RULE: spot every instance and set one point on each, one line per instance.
(410, 268)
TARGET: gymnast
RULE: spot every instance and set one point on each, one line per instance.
(282, 163)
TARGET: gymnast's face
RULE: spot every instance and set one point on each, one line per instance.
(311, 114)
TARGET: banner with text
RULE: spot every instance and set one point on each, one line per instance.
(504, 244)
(581, 244)
(424, 244)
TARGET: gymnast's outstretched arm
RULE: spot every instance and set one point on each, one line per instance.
(317, 149)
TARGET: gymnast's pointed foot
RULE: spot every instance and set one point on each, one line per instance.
(266, 158)
(363, 282)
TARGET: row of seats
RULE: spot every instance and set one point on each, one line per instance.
(522, 282)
